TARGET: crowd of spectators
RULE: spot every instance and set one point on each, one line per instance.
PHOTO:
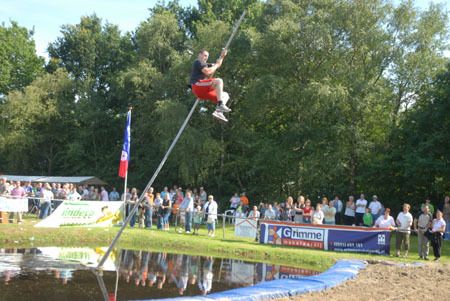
(194, 207)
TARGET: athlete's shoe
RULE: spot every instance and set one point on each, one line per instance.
(223, 108)
(219, 115)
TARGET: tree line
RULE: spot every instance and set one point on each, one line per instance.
(328, 97)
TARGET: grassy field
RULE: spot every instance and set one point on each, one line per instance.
(25, 236)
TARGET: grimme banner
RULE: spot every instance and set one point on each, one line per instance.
(84, 213)
(327, 237)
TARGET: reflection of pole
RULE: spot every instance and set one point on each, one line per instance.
(117, 275)
(223, 227)
(101, 283)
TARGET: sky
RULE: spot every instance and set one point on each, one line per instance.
(47, 16)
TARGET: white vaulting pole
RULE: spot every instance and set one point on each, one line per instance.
(174, 142)
(150, 183)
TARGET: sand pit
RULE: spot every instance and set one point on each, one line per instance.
(386, 280)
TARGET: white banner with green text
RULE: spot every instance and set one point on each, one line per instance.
(84, 213)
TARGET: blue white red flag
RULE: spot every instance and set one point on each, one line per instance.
(125, 156)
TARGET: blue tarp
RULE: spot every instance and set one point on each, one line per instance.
(342, 271)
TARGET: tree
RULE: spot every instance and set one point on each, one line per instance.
(19, 64)
(38, 125)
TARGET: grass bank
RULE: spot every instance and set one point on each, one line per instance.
(26, 235)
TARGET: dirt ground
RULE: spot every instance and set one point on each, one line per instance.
(387, 281)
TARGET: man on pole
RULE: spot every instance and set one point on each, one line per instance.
(206, 87)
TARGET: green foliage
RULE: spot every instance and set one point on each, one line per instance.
(19, 64)
(327, 96)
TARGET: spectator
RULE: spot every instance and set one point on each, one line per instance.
(210, 210)
(47, 197)
(385, 221)
(349, 214)
(446, 213)
(270, 213)
(329, 214)
(244, 201)
(165, 211)
(361, 205)
(339, 206)
(187, 207)
(164, 192)
(255, 214)
(134, 199)
(298, 209)
(148, 204)
(234, 201)
(317, 216)
(18, 193)
(3, 187)
(241, 211)
(73, 195)
(375, 208)
(114, 195)
(367, 218)
(157, 205)
(92, 195)
(404, 222)
(104, 196)
(307, 212)
(126, 196)
(85, 194)
(430, 206)
(203, 195)
(438, 229)
(421, 226)
(262, 208)
(198, 218)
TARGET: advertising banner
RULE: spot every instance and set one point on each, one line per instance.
(84, 213)
(327, 237)
(246, 227)
(13, 205)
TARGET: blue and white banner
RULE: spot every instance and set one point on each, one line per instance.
(327, 237)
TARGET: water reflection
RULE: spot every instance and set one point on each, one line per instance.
(141, 274)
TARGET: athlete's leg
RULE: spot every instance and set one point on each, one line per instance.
(218, 85)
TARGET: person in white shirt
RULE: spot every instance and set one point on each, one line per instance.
(210, 210)
(270, 213)
(104, 196)
(235, 201)
(375, 208)
(255, 214)
(404, 223)
(317, 216)
(361, 205)
(47, 197)
(385, 221)
(438, 229)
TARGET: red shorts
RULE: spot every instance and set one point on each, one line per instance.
(205, 90)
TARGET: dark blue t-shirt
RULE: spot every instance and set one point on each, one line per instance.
(197, 73)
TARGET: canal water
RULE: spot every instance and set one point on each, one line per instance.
(52, 273)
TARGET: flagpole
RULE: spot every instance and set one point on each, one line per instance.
(124, 201)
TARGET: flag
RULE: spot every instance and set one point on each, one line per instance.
(125, 156)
